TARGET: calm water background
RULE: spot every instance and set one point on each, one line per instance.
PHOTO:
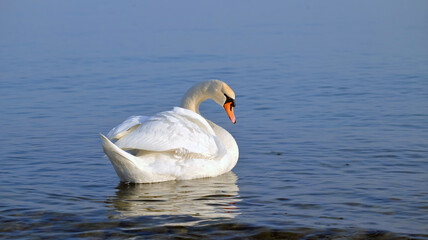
(332, 117)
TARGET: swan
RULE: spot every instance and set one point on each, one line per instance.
(178, 144)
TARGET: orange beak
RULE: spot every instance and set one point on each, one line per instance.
(229, 109)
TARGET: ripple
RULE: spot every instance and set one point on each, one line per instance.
(332, 133)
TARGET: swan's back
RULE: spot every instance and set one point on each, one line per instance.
(181, 132)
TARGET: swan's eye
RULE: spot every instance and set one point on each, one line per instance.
(229, 99)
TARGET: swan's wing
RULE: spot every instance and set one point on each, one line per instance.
(185, 133)
(126, 127)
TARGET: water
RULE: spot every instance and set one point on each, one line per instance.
(332, 113)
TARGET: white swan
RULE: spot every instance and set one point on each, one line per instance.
(175, 145)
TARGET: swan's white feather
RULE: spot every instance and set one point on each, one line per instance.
(184, 133)
(126, 127)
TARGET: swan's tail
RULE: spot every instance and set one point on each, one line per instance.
(122, 161)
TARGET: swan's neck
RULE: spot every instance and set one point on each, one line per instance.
(194, 97)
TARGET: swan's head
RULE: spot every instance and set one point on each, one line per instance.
(217, 90)
(225, 97)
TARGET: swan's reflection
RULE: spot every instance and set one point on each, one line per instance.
(206, 198)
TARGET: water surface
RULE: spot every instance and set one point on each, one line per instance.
(332, 113)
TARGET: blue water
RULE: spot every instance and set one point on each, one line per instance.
(332, 117)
